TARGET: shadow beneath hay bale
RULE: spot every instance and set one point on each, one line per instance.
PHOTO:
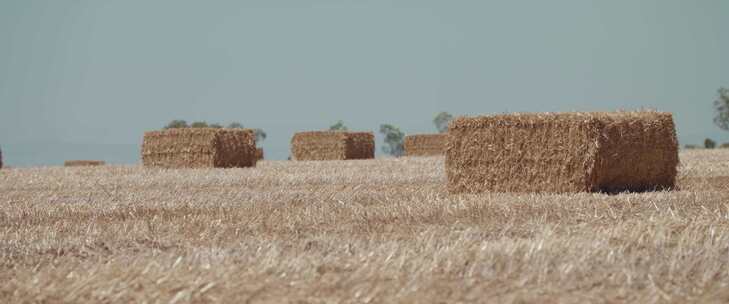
(618, 191)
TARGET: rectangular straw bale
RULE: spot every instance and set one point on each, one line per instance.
(83, 163)
(360, 145)
(567, 152)
(425, 144)
(199, 148)
(332, 145)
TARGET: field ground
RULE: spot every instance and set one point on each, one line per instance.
(360, 231)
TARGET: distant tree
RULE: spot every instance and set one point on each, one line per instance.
(441, 121)
(215, 126)
(724, 146)
(691, 147)
(1, 157)
(176, 124)
(260, 135)
(339, 126)
(199, 124)
(709, 144)
(393, 140)
(721, 105)
(235, 125)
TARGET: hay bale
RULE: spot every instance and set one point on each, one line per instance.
(425, 144)
(259, 154)
(199, 148)
(83, 163)
(556, 153)
(332, 145)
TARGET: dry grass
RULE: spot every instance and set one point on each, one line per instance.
(354, 231)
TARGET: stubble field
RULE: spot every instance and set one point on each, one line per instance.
(358, 231)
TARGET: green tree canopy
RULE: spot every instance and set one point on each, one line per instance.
(709, 144)
(199, 124)
(260, 135)
(721, 105)
(441, 121)
(339, 126)
(175, 124)
(216, 126)
(235, 125)
(393, 140)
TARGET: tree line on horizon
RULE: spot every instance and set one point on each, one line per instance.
(181, 124)
(394, 137)
(721, 119)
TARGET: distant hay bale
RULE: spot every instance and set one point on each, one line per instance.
(83, 163)
(259, 154)
(199, 148)
(557, 153)
(425, 144)
(332, 145)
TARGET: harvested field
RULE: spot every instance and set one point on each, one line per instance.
(332, 145)
(82, 163)
(199, 148)
(377, 231)
(566, 152)
(425, 144)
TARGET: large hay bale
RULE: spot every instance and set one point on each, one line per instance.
(569, 152)
(332, 145)
(83, 163)
(199, 148)
(425, 144)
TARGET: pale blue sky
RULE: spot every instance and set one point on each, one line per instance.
(85, 79)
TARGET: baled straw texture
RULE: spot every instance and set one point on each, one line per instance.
(425, 144)
(360, 145)
(83, 163)
(199, 148)
(568, 152)
(332, 145)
